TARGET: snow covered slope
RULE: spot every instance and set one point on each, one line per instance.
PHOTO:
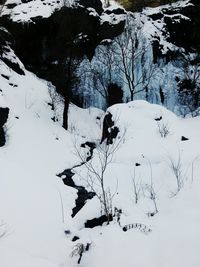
(36, 150)
(152, 150)
(56, 185)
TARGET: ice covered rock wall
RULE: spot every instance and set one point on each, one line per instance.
(161, 47)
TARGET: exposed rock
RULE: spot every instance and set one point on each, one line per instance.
(3, 119)
(110, 131)
(183, 138)
(158, 119)
(96, 4)
(91, 146)
(181, 27)
(97, 221)
(75, 238)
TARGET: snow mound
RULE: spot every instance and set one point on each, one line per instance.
(161, 217)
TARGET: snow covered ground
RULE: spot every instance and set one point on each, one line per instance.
(35, 206)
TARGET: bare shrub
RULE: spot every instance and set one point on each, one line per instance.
(149, 188)
(178, 170)
(136, 186)
(96, 168)
(163, 129)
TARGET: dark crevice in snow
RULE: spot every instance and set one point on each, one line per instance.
(82, 195)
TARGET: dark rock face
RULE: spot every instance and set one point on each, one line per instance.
(185, 33)
(180, 31)
(46, 44)
(3, 119)
(97, 5)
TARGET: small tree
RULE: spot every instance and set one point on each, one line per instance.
(96, 168)
(163, 128)
(70, 68)
(130, 56)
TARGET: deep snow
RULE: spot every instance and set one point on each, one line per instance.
(36, 207)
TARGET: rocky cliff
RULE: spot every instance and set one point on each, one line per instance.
(44, 40)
